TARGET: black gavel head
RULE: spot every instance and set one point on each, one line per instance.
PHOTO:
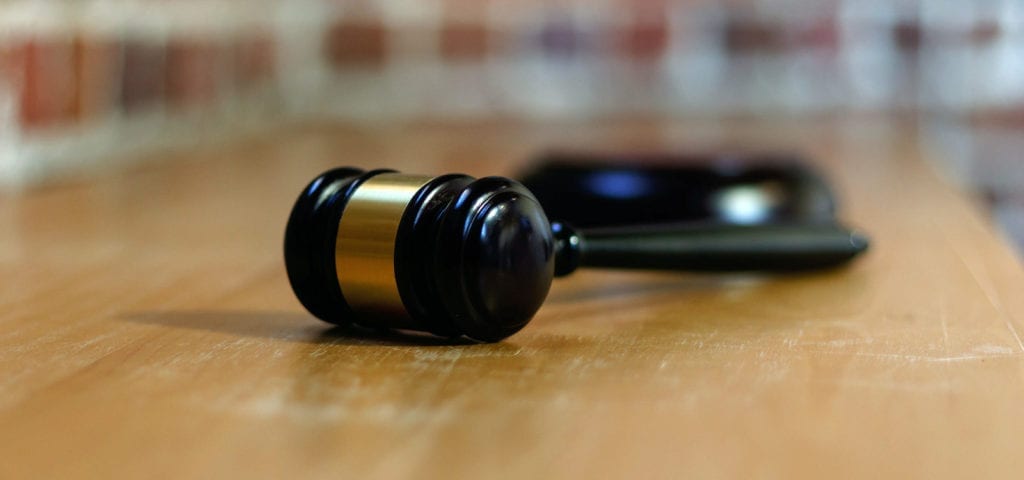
(450, 255)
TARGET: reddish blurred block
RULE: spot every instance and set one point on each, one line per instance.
(356, 43)
(745, 36)
(464, 41)
(643, 39)
(95, 62)
(10, 65)
(908, 35)
(984, 33)
(254, 60)
(823, 33)
(193, 72)
(142, 74)
(981, 33)
(41, 72)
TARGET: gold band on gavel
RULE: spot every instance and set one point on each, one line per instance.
(364, 254)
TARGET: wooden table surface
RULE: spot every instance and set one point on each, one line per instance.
(147, 330)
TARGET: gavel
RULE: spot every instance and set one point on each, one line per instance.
(455, 256)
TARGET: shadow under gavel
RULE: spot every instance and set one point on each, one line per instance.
(458, 256)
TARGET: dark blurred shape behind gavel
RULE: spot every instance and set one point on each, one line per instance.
(601, 189)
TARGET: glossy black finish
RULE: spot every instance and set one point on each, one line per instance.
(416, 249)
(495, 258)
(602, 190)
(476, 258)
(473, 258)
(567, 248)
(722, 248)
(310, 239)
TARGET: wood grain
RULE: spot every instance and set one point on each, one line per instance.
(147, 330)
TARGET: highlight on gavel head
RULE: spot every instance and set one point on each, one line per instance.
(451, 255)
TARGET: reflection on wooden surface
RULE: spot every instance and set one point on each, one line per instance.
(147, 330)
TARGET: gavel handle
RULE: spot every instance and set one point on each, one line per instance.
(716, 247)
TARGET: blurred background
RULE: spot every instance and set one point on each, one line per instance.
(84, 83)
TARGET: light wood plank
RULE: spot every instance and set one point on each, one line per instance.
(147, 330)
